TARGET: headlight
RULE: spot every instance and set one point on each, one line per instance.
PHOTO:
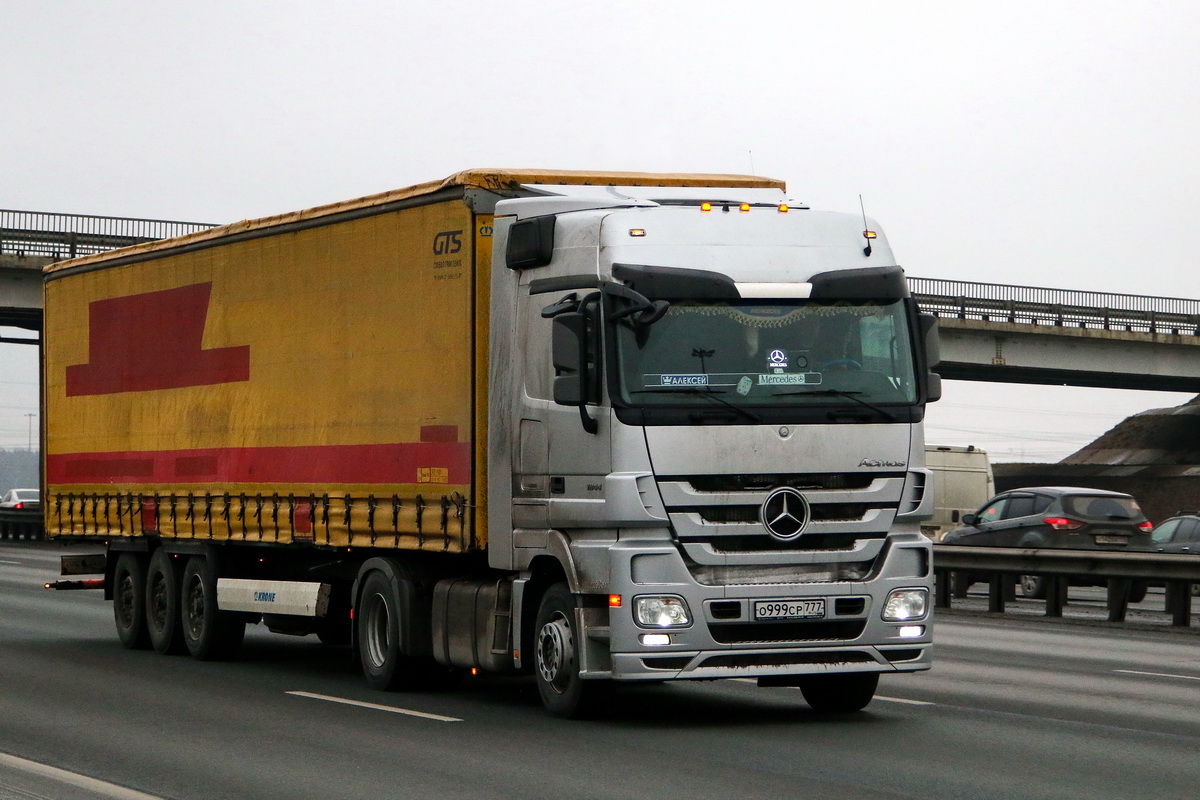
(905, 604)
(667, 611)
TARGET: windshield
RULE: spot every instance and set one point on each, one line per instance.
(769, 354)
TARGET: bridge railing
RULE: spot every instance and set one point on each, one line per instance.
(59, 236)
(991, 302)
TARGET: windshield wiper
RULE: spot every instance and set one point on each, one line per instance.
(890, 417)
(709, 393)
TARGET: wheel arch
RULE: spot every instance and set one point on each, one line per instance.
(415, 606)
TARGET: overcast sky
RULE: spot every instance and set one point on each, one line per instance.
(1038, 143)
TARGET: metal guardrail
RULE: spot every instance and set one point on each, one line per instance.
(1003, 565)
(59, 236)
(993, 302)
(21, 524)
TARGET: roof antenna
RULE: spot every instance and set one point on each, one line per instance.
(751, 152)
(868, 234)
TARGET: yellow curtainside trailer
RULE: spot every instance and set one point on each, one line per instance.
(308, 378)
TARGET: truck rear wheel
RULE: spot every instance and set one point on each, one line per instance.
(839, 694)
(208, 633)
(564, 692)
(129, 601)
(378, 620)
(162, 604)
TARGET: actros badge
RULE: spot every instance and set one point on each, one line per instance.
(784, 513)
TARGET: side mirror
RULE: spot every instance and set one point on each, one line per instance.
(929, 333)
(933, 387)
(933, 356)
(970, 519)
(530, 243)
(575, 367)
(568, 350)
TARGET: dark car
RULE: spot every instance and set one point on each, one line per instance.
(1180, 534)
(1055, 516)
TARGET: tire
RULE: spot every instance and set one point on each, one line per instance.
(378, 621)
(129, 601)
(1137, 591)
(162, 605)
(839, 694)
(563, 691)
(208, 633)
(1033, 587)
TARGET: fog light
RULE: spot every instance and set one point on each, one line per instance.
(655, 639)
(905, 604)
(912, 631)
(663, 611)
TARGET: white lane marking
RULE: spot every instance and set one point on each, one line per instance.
(376, 706)
(1159, 674)
(904, 700)
(74, 779)
(14, 563)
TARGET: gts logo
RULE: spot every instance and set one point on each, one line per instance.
(447, 243)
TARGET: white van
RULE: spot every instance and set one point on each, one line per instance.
(962, 482)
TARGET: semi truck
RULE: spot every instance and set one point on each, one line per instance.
(592, 427)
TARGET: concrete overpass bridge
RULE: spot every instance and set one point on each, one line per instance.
(989, 332)
(1025, 334)
(29, 240)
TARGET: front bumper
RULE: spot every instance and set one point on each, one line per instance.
(725, 640)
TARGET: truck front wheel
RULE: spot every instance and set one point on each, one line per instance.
(162, 604)
(839, 694)
(564, 692)
(378, 618)
(210, 634)
(129, 601)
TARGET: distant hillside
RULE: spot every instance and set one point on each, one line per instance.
(1160, 436)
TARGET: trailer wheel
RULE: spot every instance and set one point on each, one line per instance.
(129, 602)
(384, 665)
(564, 692)
(1033, 586)
(839, 694)
(162, 604)
(209, 633)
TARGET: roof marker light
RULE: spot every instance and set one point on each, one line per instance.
(783, 208)
(637, 231)
(745, 207)
(706, 207)
(870, 234)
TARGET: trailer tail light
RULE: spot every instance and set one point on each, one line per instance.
(1063, 524)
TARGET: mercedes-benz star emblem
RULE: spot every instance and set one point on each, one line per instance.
(784, 513)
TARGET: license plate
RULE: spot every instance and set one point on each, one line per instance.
(789, 609)
(1102, 539)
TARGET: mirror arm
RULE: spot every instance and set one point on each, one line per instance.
(590, 424)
